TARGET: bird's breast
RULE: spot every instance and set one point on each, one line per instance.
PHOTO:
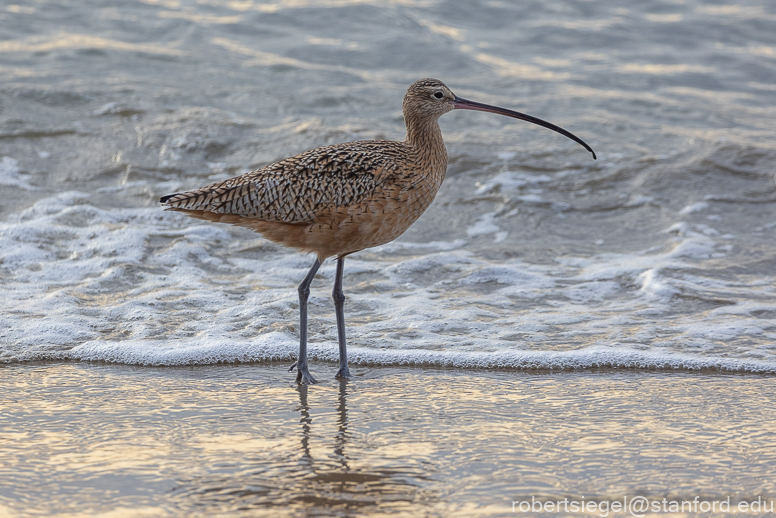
(380, 218)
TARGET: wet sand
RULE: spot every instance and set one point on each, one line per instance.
(87, 439)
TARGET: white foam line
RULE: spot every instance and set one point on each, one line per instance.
(593, 357)
(282, 347)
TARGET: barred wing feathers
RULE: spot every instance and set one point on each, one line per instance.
(297, 189)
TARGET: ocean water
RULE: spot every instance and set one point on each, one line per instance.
(659, 254)
(648, 276)
(81, 439)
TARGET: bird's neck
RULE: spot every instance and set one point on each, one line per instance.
(425, 136)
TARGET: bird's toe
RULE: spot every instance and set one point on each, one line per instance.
(343, 373)
(305, 378)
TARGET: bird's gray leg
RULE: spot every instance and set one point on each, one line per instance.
(302, 371)
(339, 308)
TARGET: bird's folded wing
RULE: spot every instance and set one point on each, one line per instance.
(297, 189)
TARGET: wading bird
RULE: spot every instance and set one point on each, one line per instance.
(336, 200)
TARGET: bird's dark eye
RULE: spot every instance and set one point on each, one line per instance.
(439, 95)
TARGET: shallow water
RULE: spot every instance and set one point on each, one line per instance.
(659, 253)
(534, 257)
(97, 440)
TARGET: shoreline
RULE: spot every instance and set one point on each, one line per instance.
(93, 439)
(274, 348)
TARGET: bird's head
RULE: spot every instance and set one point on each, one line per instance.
(428, 98)
(431, 98)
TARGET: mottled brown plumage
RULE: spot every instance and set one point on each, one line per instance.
(340, 199)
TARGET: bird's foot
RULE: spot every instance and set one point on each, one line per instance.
(343, 373)
(291, 369)
(304, 377)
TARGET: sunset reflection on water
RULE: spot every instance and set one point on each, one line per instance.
(102, 440)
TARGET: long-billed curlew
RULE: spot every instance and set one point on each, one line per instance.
(336, 200)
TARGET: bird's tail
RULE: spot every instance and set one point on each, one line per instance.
(206, 198)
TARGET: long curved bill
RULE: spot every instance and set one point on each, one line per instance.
(464, 104)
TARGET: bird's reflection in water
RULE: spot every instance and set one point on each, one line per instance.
(342, 410)
(331, 480)
(328, 468)
(306, 421)
(340, 440)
